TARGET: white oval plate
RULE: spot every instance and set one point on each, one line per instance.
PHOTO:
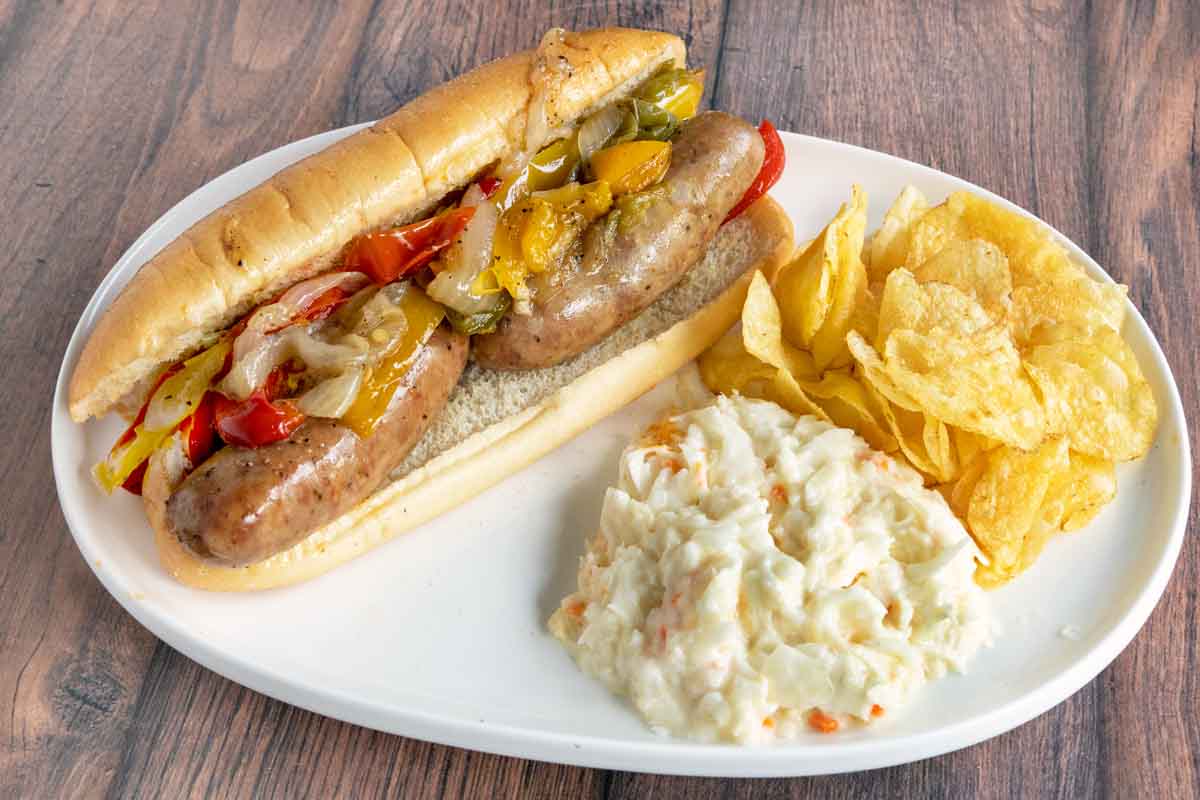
(440, 635)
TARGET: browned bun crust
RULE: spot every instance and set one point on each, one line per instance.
(760, 239)
(294, 225)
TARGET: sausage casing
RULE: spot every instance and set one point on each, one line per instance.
(243, 505)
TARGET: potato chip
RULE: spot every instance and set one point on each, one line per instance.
(850, 287)
(804, 287)
(727, 368)
(933, 232)
(946, 317)
(865, 319)
(973, 382)
(976, 267)
(1036, 258)
(908, 428)
(977, 351)
(1067, 297)
(785, 391)
(819, 290)
(967, 445)
(871, 366)
(964, 485)
(1093, 486)
(762, 332)
(964, 216)
(851, 405)
(1073, 497)
(762, 327)
(1047, 285)
(888, 248)
(1094, 392)
(1006, 502)
(936, 437)
(929, 307)
(970, 454)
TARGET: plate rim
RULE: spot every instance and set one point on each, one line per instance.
(669, 756)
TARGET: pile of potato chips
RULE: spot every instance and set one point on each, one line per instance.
(963, 340)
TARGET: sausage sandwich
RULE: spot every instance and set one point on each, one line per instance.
(389, 327)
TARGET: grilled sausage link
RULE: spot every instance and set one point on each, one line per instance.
(243, 505)
(626, 266)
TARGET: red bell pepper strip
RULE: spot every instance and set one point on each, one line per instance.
(488, 186)
(197, 429)
(260, 419)
(133, 484)
(199, 433)
(385, 256)
(768, 175)
(256, 421)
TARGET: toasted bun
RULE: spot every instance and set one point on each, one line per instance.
(294, 225)
(496, 423)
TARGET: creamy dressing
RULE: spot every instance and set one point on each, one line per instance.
(756, 575)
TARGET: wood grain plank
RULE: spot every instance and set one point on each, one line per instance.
(197, 734)
(933, 82)
(1144, 113)
(403, 54)
(80, 658)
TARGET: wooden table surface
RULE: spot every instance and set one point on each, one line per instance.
(110, 112)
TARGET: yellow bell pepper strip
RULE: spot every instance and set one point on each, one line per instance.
(533, 234)
(591, 200)
(126, 462)
(521, 245)
(176, 396)
(537, 229)
(632, 166)
(686, 101)
(383, 379)
(180, 394)
(536, 226)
